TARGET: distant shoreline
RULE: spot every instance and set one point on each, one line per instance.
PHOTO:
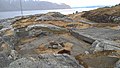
(34, 10)
(12, 14)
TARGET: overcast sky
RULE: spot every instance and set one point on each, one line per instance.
(80, 3)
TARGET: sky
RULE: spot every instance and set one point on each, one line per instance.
(82, 3)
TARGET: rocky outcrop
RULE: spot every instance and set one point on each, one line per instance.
(44, 29)
(54, 16)
(37, 30)
(100, 38)
(99, 33)
(46, 61)
(38, 26)
(45, 44)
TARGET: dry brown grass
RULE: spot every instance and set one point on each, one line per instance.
(9, 32)
(105, 25)
(27, 40)
(78, 25)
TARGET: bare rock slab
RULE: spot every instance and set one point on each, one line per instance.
(46, 61)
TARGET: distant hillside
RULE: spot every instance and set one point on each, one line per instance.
(14, 5)
(104, 15)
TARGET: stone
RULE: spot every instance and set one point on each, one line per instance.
(54, 46)
(101, 45)
(87, 52)
(14, 54)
